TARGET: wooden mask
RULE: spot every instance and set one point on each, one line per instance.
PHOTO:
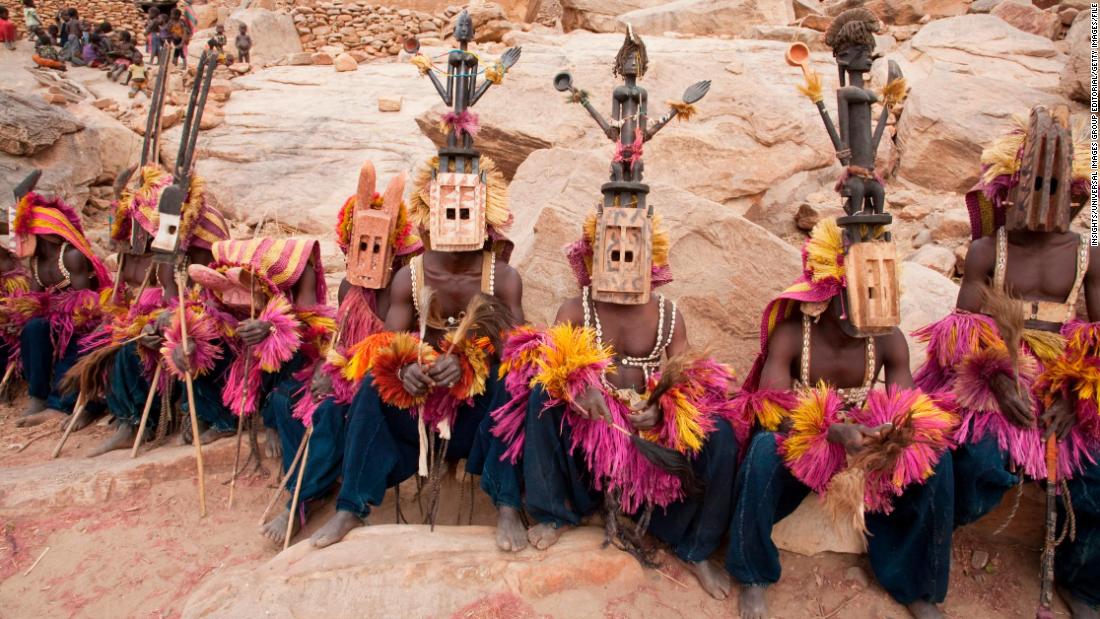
(874, 294)
(370, 252)
(457, 212)
(1040, 202)
(169, 208)
(622, 260)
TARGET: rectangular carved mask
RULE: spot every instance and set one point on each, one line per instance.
(169, 208)
(622, 260)
(370, 256)
(457, 212)
(1040, 202)
(871, 268)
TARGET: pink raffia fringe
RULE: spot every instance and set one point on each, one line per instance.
(518, 369)
(203, 334)
(809, 455)
(931, 423)
(465, 122)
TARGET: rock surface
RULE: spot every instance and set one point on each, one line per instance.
(29, 125)
(599, 15)
(273, 34)
(1027, 17)
(707, 17)
(1075, 77)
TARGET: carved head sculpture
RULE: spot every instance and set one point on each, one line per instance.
(464, 28)
(374, 221)
(622, 258)
(1040, 201)
(873, 291)
(632, 59)
(457, 212)
(851, 37)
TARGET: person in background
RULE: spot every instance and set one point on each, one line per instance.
(7, 29)
(243, 43)
(30, 18)
(136, 77)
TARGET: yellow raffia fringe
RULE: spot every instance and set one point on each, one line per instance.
(823, 251)
(686, 418)
(495, 73)
(1046, 345)
(684, 111)
(422, 62)
(497, 212)
(894, 92)
(567, 350)
(807, 422)
(771, 415)
(812, 88)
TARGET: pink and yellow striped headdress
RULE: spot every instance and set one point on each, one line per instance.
(201, 225)
(822, 279)
(278, 263)
(36, 215)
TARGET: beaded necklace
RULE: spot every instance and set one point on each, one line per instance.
(850, 395)
(66, 276)
(651, 362)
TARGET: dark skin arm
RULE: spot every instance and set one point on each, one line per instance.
(80, 269)
(980, 258)
(1059, 417)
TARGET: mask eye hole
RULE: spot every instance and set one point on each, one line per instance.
(616, 255)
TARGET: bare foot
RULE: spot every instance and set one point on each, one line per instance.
(121, 439)
(753, 603)
(1078, 607)
(275, 529)
(336, 528)
(271, 444)
(212, 434)
(924, 610)
(712, 578)
(545, 535)
(49, 414)
(34, 405)
(511, 534)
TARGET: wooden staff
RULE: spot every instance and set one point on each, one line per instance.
(8, 373)
(244, 394)
(148, 407)
(1046, 586)
(297, 489)
(181, 282)
(282, 484)
(77, 412)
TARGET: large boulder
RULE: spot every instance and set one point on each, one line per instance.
(599, 15)
(293, 140)
(29, 125)
(1076, 76)
(726, 269)
(984, 46)
(950, 117)
(749, 133)
(707, 17)
(1027, 17)
(273, 34)
(409, 571)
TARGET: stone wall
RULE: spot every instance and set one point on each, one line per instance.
(357, 25)
(122, 14)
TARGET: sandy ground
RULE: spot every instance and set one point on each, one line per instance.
(116, 537)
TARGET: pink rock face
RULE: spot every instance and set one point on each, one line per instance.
(1027, 17)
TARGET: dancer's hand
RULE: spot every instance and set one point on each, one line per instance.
(413, 378)
(182, 358)
(149, 338)
(1014, 407)
(591, 405)
(645, 416)
(445, 371)
(321, 385)
(854, 437)
(1058, 418)
(253, 332)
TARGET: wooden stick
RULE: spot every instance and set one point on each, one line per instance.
(35, 564)
(1046, 560)
(148, 407)
(77, 412)
(181, 283)
(8, 373)
(297, 490)
(282, 484)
